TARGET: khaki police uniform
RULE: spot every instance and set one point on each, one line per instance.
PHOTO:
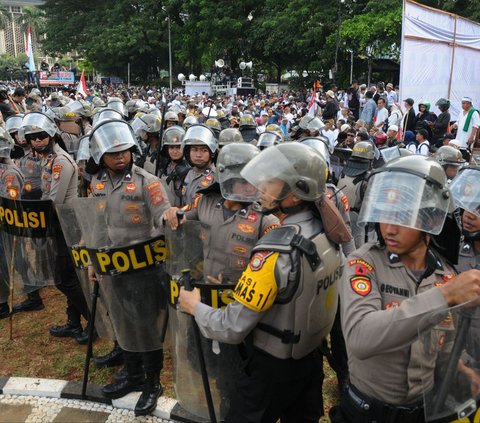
(59, 176)
(59, 179)
(233, 234)
(11, 180)
(136, 203)
(283, 375)
(11, 183)
(197, 179)
(31, 168)
(469, 257)
(382, 303)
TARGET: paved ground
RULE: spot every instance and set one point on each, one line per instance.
(34, 409)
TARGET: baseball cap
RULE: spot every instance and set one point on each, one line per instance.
(409, 101)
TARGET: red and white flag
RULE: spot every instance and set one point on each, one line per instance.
(29, 51)
(313, 100)
(82, 86)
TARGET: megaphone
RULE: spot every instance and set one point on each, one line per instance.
(181, 77)
(242, 65)
(219, 63)
(203, 78)
(249, 64)
(192, 77)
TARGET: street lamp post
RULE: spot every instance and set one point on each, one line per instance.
(170, 53)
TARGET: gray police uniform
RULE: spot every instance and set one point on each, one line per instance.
(382, 303)
(469, 257)
(197, 179)
(59, 176)
(233, 234)
(135, 204)
(11, 183)
(31, 168)
(278, 301)
(59, 184)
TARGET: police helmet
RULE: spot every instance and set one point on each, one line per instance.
(230, 162)
(189, 121)
(408, 191)
(6, 143)
(214, 125)
(268, 139)
(451, 156)
(200, 135)
(248, 121)
(273, 127)
(35, 122)
(173, 135)
(364, 150)
(111, 136)
(106, 114)
(81, 108)
(465, 189)
(229, 136)
(171, 116)
(83, 152)
(321, 144)
(13, 123)
(117, 104)
(299, 166)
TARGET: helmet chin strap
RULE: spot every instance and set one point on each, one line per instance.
(285, 210)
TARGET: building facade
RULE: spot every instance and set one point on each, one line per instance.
(13, 36)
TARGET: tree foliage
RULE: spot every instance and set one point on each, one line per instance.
(277, 35)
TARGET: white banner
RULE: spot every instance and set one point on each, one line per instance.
(440, 57)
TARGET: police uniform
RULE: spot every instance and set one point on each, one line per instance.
(150, 160)
(174, 178)
(136, 202)
(59, 183)
(469, 257)
(232, 236)
(195, 180)
(382, 302)
(283, 375)
(11, 182)
(30, 166)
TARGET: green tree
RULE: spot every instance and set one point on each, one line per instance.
(5, 16)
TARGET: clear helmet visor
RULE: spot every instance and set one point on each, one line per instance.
(106, 114)
(109, 137)
(13, 123)
(83, 152)
(139, 127)
(198, 135)
(231, 161)
(390, 153)
(405, 199)
(37, 122)
(268, 139)
(173, 135)
(465, 189)
(319, 146)
(117, 104)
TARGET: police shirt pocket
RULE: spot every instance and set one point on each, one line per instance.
(133, 213)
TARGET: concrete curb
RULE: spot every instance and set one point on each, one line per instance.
(167, 408)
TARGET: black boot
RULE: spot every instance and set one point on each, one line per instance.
(32, 303)
(4, 310)
(120, 388)
(70, 329)
(120, 375)
(147, 402)
(82, 338)
(113, 358)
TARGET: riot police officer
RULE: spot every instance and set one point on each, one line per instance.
(135, 201)
(276, 299)
(171, 119)
(11, 183)
(390, 285)
(174, 166)
(451, 160)
(248, 128)
(228, 136)
(11, 125)
(200, 148)
(59, 179)
(353, 182)
(147, 128)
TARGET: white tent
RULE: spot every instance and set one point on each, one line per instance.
(440, 57)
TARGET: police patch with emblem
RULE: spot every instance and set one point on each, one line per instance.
(362, 285)
(257, 261)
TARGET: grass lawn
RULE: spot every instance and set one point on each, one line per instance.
(34, 353)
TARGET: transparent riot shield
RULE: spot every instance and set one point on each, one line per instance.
(81, 259)
(223, 361)
(32, 224)
(128, 263)
(449, 348)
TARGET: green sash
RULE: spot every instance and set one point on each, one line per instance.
(469, 118)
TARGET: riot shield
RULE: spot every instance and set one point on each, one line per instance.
(33, 223)
(338, 160)
(223, 361)
(128, 262)
(449, 347)
(80, 257)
